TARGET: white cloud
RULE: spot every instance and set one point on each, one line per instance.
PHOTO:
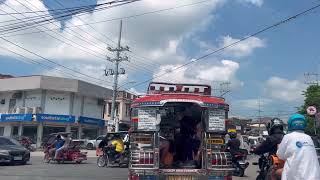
(223, 71)
(250, 103)
(284, 89)
(254, 2)
(156, 36)
(244, 48)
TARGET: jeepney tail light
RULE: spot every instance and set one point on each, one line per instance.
(134, 177)
(146, 160)
(216, 161)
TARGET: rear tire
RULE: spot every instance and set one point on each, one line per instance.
(102, 161)
(46, 158)
(241, 172)
(260, 177)
(90, 146)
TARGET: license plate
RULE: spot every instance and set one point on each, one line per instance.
(214, 141)
(17, 158)
(180, 178)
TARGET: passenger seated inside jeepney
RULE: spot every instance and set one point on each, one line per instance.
(182, 147)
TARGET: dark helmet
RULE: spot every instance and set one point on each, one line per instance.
(274, 124)
(233, 135)
(58, 136)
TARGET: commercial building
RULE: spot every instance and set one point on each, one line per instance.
(36, 106)
(123, 103)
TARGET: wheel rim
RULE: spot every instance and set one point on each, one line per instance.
(102, 161)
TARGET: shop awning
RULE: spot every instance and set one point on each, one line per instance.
(15, 117)
(55, 118)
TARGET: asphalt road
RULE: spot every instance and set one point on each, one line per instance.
(37, 170)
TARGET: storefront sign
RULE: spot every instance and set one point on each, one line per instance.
(216, 120)
(15, 117)
(55, 118)
(147, 119)
(91, 121)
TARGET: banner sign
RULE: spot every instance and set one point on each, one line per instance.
(91, 121)
(147, 119)
(216, 120)
(15, 117)
(55, 118)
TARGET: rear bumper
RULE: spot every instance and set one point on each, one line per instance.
(10, 158)
(203, 174)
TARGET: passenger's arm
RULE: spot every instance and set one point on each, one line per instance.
(264, 147)
(281, 153)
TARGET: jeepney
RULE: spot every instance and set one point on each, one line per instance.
(158, 116)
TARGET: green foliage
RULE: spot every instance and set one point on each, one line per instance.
(312, 98)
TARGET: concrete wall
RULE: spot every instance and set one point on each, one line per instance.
(77, 106)
(33, 98)
(91, 108)
(57, 103)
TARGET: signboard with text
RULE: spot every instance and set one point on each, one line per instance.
(147, 119)
(55, 118)
(216, 120)
(15, 117)
(91, 121)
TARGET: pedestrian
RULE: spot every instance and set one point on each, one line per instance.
(298, 151)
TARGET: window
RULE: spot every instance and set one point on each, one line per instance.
(5, 141)
(171, 89)
(186, 89)
(152, 88)
(161, 88)
(1, 131)
(15, 131)
(196, 90)
(110, 107)
(100, 138)
(127, 110)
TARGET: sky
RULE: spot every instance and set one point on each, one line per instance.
(267, 69)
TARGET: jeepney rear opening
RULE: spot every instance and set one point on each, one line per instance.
(179, 139)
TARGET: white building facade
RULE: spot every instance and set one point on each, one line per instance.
(36, 106)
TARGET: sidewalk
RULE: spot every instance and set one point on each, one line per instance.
(91, 153)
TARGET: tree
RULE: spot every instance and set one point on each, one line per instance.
(312, 98)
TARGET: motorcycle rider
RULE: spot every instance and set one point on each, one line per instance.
(275, 130)
(233, 145)
(118, 146)
(298, 152)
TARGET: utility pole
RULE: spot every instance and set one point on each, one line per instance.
(259, 111)
(311, 78)
(224, 88)
(115, 73)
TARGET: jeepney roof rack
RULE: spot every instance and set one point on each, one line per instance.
(162, 87)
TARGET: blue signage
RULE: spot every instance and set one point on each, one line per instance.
(55, 118)
(91, 121)
(15, 117)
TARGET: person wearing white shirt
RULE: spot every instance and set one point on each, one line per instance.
(298, 151)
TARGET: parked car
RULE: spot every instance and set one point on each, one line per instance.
(12, 152)
(92, 144)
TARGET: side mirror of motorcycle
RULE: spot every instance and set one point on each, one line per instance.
(255, 163)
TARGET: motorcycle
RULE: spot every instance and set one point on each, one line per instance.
(26, 142)
(240, 163)
(71, 154)
(264, 167)
(108, 159)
